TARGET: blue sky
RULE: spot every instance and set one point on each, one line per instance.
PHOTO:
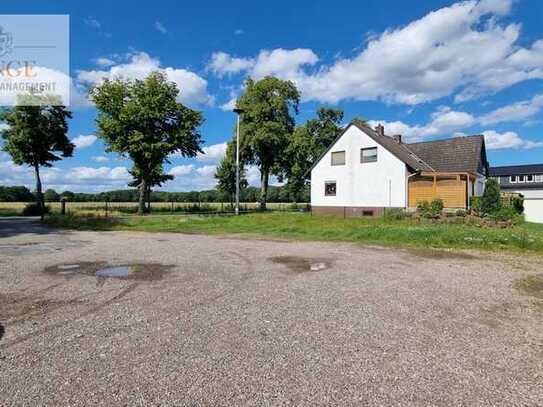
(426, 69)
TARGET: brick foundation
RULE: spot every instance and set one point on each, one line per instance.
(348, 211)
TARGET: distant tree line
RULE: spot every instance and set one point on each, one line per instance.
(248, 194)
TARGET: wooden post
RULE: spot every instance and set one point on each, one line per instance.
(434, 187)
(63, 206)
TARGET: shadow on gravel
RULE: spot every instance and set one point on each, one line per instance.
(13, 226)
(530, 285)
(2, 331)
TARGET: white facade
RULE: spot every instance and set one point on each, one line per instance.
(382, 183)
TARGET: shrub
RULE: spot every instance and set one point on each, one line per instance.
(395, 214)
(517, 203)
(436, 206)
(33, 209)
(491, 199)
(475, 203)
(423, 206)
(461, 213)
(505, 213)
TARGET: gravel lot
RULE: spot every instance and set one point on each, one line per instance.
(228, 321)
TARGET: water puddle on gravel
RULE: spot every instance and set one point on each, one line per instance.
(301, 264)
(101, 270)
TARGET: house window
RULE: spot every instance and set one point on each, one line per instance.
(368, 155)
(521, 178)
(529, 178)
(330, 188)
(338, 158)
(513, 179)
(539, 178)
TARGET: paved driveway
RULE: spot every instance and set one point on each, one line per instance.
(199, 320)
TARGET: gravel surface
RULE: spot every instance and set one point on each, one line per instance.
(206, 320)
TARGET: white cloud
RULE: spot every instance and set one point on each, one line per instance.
(460, 50)
(213, 152)
(100, 158)
(84, 141)
(103, 61)
(444, 122)
(509, 139)
(206, 170)
(230, 105)
(101, 173)
(193, 88)
(160, 27)
(514, 112)
(92, 22)
(3, 126)
(222, 63)
(181, 170)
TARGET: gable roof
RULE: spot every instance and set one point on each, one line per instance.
(400, 150)
(457, 154)
(516, 170)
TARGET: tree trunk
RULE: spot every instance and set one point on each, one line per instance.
(264, 188)
(148, 198)
(39, 195)
(141, 202)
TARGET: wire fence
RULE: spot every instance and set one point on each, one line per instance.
(157, 208)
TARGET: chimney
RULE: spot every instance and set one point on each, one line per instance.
(380, 129)
(397, 138)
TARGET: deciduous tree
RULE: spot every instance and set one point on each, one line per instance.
(267, 123)
(37, 134)
(143, 120)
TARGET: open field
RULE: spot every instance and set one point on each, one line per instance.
(223, 320)
(527, 237)
(128, 208)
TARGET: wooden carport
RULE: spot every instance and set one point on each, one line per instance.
(450, 187)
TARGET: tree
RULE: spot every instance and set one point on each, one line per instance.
(51, 195)
(491, 199)
(36, 134)
(68, 195)
(307, 144)
(157, 178)
(226, 173)
(142, 119)
(266, 126)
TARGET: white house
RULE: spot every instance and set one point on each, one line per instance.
(365, 171)
(526, 180)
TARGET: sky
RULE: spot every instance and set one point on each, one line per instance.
(425, 69)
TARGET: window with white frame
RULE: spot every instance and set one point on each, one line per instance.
(539, 178)
(521, 179)
(338, 158)
(513, 179)
(529, 178)
(330, 188)
(368, 155)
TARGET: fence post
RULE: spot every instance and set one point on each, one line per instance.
(63, 206)
(172, 206)
(106, 207)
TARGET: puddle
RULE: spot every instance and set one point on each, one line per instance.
(101, 270)
(442, 254)
(301, 264)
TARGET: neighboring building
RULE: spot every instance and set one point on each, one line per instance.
(526, 180)
(365, 171)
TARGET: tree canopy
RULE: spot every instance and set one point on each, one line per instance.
(267, 123)
(143, 120)
(37, 134)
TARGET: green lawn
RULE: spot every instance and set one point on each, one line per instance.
(527, 237)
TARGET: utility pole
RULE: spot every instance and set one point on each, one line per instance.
(239, 112)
